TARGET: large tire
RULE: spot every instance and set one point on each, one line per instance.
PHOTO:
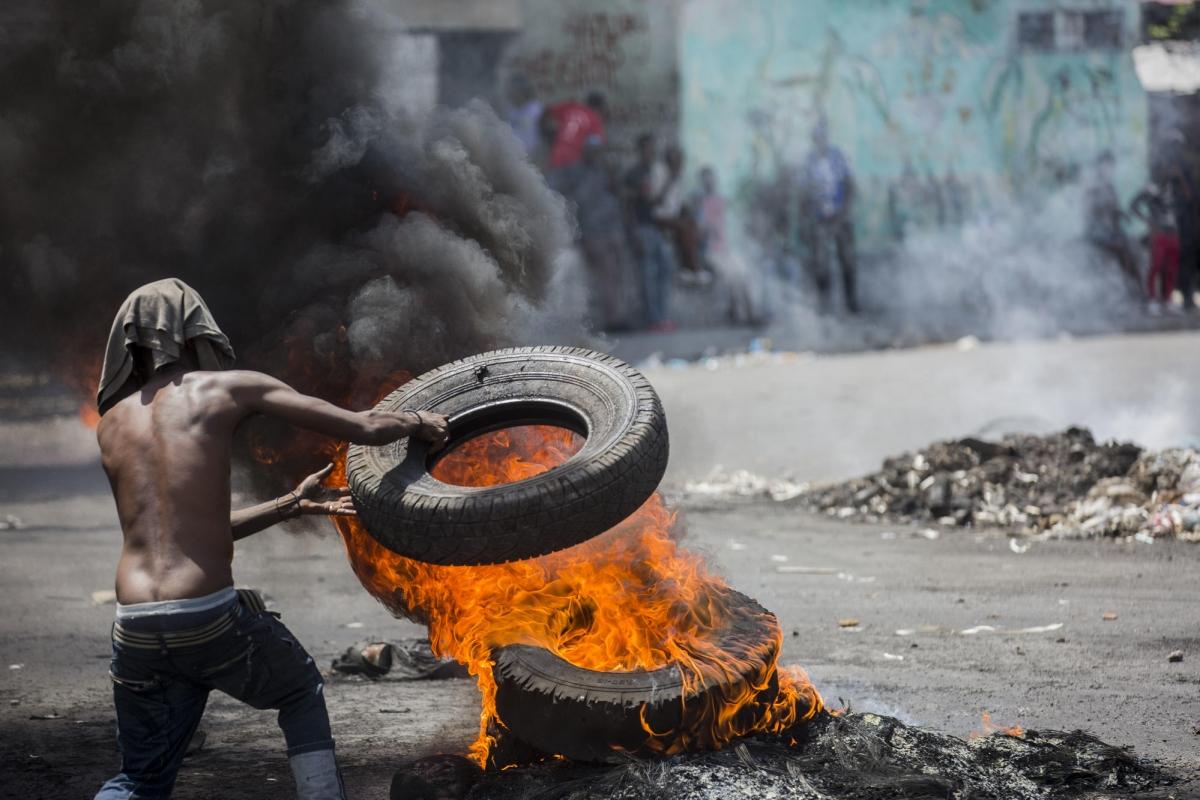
(600, 397)
(587, 715)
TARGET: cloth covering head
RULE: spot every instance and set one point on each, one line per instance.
(164, 318)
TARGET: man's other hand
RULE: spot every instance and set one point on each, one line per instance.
(314, 497)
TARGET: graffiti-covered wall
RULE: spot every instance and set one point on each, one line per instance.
(942, 106)
(623, 48)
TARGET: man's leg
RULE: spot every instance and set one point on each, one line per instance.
(1189, 265)
(648, 266)
(846, 257)
(819, 263)
(1170, 274)
(266, 667)
(156, 718)
(666, 274)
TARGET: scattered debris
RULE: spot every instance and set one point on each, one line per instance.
(16, 666)
(103, 597)
(892, 657)
(848, 622)
(795, 569)
(742, 484)
(1062, 484)
(1109, 616)
(407, 659)
(51, 715)
(11, 522)
(354, 625)
(1175, 657)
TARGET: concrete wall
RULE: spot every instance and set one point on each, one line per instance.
(624, 48)
(939, 89)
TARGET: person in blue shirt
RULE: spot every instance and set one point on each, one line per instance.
(826, 204)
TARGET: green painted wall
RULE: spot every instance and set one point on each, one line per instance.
(939, 86)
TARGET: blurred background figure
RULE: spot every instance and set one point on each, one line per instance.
(1105, 222)
(827, 198)
(567, 126)
(1185, 202)
(646, 183)
(524, 112)
(589, 185)
(1155, 206)
(718, 258)
(678, 221)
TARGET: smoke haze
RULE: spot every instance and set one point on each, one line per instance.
(262, 152)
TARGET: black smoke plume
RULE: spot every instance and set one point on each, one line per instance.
(259, 151)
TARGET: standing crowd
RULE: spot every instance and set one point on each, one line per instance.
(642, 234)
(640, 228)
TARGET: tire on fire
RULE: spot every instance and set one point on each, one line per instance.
(597, 396)
(589, 715)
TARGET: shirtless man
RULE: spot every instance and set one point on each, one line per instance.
(169, 409)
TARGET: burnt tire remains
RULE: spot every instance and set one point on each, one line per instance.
(622, 460)
(588, 715)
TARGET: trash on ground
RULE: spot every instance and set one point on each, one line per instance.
(796, 569)
(405, 659)
(742, 484)
(1175, 657)
(1063, 484)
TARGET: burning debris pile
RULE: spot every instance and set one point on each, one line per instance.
(860, 756)
(1062, 484)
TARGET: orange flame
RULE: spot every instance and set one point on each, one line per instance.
(630, 599)
(990, 727)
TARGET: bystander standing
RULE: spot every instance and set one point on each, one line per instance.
(827, 198)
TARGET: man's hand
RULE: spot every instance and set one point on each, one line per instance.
(432, 428)
(313, 497)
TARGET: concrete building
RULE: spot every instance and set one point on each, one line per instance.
(939, 104)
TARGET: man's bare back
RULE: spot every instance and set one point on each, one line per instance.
(166, 449)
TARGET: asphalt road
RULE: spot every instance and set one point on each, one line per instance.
(818, 418)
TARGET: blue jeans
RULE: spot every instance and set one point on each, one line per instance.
(657, 266)
(160, 693)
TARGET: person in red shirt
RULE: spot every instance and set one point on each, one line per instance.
(568, 126)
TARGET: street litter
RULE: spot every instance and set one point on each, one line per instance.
(790, 569)
(1064, 485)
(992, 629)
(892, 657)
(404, 659)
(1175, 657)
(1109, 616)
(742, 484)
(51, 715)
(11, 522)
(848, 622)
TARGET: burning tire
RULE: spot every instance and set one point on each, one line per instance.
(588, 715)
(599, 397)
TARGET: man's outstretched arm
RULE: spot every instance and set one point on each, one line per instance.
(262, 394)
(310, 497)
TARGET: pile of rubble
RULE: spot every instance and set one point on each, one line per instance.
(847, 757)
(1062, 484)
